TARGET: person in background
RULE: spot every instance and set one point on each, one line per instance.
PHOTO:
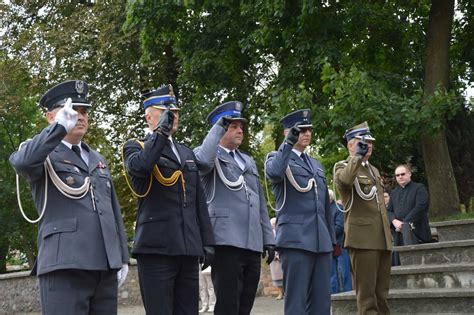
(206, 291)
(82, 245)
(341, 264)
(275, 268)
(386, 197)
(408, 211)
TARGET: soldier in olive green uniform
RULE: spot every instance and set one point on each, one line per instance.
(367, 229)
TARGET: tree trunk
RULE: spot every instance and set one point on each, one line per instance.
(3, 255)
(444, 197)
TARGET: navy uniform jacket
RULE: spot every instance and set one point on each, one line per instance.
(338, 222)
(239, 218)
(410, 204)
(170, 220)
(72, 234)
(305, 222)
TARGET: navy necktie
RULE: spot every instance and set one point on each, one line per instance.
(77, 150)
(305, 159)
(232, 154)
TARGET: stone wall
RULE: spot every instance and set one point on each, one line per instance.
(19, 291)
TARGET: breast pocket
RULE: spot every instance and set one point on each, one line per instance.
(365, 184)
(70, 174)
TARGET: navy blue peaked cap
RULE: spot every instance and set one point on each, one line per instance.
(231, 109)
(161, 98)
(57, 96)
(301, 118)
(359, 131)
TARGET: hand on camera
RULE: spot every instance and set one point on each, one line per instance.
(293, 135)
(224, 122)
(361, 149)
(165, 124)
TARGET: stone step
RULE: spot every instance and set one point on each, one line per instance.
(444, 276)
(418, 301)
(454, 230)
(454, 252)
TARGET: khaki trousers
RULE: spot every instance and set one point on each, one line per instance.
(371, 270)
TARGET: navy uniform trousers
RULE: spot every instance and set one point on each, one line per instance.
(235, 274)
(176, 278)
(306, 278)
(75, 291)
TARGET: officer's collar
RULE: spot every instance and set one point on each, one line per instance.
(69, 145)
(227, 150)
(297, 152)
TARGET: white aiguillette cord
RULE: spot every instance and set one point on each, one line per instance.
(69, 192)
(234, 186)
(311, 184)
(367, 197)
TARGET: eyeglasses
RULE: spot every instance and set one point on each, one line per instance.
(401, 174)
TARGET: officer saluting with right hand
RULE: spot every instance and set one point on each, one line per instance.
(173, 227)
(366, 225)
(305, 234)
(82, 246)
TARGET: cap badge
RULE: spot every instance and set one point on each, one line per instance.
(238, 106)
(171, 90)
(79, 87)
(305, 113)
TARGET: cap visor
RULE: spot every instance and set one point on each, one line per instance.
(164, 107)
(81, 104)
(239, 119)
(305, 126)
(367, 137)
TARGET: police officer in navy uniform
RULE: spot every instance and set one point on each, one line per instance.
(82, 244)
(238, 211)
(172, 228)
(305, 233)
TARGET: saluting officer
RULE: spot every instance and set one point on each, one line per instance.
(367, 230)
(82, 243)
(173, 227)
(237, 209)
(305, 234)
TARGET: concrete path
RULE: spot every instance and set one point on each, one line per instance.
(262, 306)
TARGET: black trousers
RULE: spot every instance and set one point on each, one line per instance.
(73, 291)
(169, 284)
(235, 274)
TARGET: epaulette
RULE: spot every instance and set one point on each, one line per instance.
(343, 162)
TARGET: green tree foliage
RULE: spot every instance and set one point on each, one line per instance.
(18, 122)
(347, 61)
